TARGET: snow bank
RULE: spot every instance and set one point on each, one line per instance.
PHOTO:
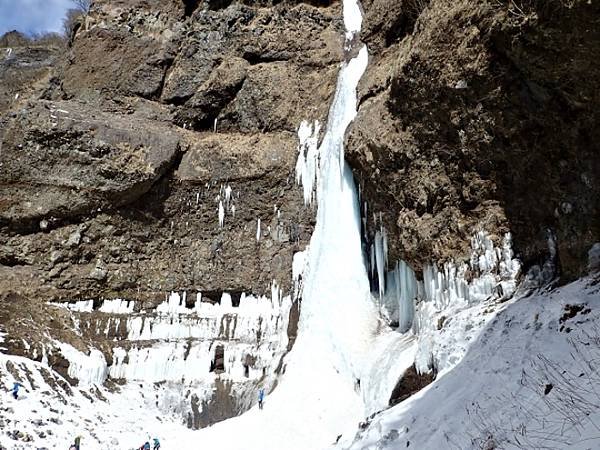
(528, 381)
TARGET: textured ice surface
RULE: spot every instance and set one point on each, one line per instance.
(307, 172)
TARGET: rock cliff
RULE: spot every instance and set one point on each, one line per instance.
(481, 115)
(154, 153)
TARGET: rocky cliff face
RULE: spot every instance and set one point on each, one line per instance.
(157, 153)
(481, 115)
(159, 113)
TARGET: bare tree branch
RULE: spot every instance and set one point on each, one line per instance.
(83, 5)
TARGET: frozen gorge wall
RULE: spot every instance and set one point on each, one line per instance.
(193, 343)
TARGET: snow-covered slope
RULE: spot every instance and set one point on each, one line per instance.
(530, 380)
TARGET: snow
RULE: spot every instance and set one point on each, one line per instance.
(508, 366)
(52, 414)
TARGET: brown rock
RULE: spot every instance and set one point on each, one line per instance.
(465, 123)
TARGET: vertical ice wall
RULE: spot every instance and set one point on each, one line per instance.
(175, 341)
(340, 321)
(336, 303)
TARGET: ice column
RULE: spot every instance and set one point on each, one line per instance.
(336, 284)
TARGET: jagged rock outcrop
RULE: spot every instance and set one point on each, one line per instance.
(481, 114)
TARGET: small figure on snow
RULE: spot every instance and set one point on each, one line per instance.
(77, 444)
(146, 446)
(261, 397)
(15, 389)
(156, 444)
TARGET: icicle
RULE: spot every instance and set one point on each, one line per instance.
(227, 194)
(221, 214)
(117, 306)
(380, 261)
(408, 292)
(308, 159)
(385, 248)
(258, 230)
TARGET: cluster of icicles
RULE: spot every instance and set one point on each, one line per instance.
(491, 272)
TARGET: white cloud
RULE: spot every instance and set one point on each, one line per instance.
(33, 16)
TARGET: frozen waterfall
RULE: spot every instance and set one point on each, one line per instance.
(318, 396)
(336, 283)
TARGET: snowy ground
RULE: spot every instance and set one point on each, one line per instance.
(493, 398)
(531, 380)
(50, 413)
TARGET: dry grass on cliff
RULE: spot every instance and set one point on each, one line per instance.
(527, 9)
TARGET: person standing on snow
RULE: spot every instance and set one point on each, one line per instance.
(78, 442)
(15, 389)
(156, 444)
(146, 446)
(261, 397)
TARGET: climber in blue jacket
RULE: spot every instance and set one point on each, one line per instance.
(261, 397)
(15, 389)
(156, 444)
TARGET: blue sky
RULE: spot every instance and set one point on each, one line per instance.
(32, 16)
